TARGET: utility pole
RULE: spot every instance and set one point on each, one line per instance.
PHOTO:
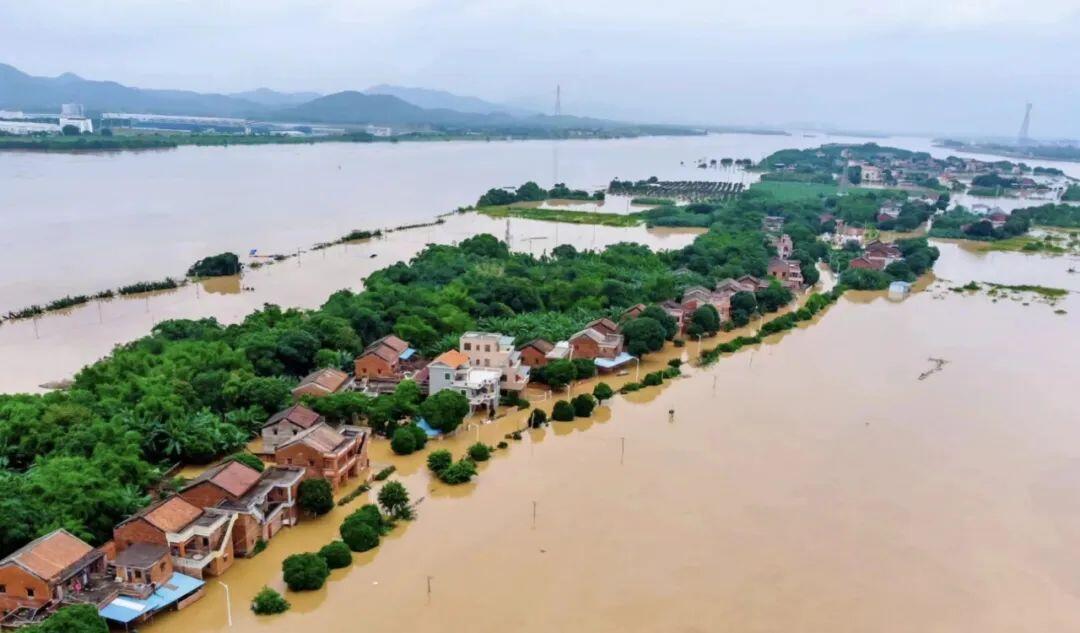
(558, 100)
(228, 602)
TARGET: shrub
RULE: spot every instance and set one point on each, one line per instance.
(584, 368)
(384, 473)
(249, 460)
(269, 602)
(675, 362)
(502, 444)
(358, 535)
(583, 405)
(403, 441)
(316, 496)
(679, 342)
(603, 391)
(537, 418)
(336, 554)
(460, 472)
(394, 499)
(563, 411)
(630, 387)
(479, 452)
(305, 572)
(653, 379)
(260, 547)
(419, 436)
(439, 460)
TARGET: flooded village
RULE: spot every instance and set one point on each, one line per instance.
(770, 438)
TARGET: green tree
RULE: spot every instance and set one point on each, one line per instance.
(656, 313)
(445, 410)
(70, 130)
(438, 461)
(460, 472)
(705, 320)
(584, 368)
(336, 554)
(269, 602)
(643, 335)
(316, 496)
(603, 391)
(403, 441)
(583, 405)
(537, 418)
(563, 411)
(479, 452)
(305, 572)
(394, 499)
(358, 534)
(559, 373)
(78, 618)
(249, 460)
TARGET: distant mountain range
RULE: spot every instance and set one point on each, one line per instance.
(380, 105)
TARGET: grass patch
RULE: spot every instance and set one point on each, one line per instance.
(562, 215)
(790, 191)
(1050, 293)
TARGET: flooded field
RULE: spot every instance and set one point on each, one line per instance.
(813, 483)
(55, 346)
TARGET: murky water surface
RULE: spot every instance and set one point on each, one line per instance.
(813, 483)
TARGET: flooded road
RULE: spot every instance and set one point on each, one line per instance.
(57, 345)
(812, 483)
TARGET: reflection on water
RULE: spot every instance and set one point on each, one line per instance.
(961, 262)
(793, 478)
(57, 345)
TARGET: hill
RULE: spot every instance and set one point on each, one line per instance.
(442, 100)
(275, 99)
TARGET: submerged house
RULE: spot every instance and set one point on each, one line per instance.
(535, 352)
(200, 542)
(323, 382)
(286, 424)
(48, 572)
(385, 360)
(322, 452)
(262, 503)
(453, 370)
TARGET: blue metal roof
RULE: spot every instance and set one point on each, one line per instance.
(124, 609)
(424, 426)
(407, 354)
(611, 363)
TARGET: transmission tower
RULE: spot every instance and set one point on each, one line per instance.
(1022, 138)
(558, 99)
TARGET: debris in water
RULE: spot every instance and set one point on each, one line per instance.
(939, 363)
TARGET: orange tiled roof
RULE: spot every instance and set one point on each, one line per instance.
(453, 358)
(47, 557)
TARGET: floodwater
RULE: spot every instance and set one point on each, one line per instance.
(55, 346)
(813, 483)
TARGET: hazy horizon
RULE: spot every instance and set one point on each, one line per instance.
(954, 66)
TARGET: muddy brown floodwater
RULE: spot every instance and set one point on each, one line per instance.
(812, 483)
(56, 345)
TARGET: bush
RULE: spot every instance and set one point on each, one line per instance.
(445, 410)
(502, 444)
(316, 496)
(584, 368)
(305, 572)
(563, 411)
(394, 499)
(653, 379)
(460, 472)
(537, 418)
(403, 441)
(583, 405)
(260, 547)
(630, 387)
(384, 473)
(419, 436)
(439, 460)
(358, 535)
(603, 391)
(75, 618)
(249, 460)
(479, 452)
(269, 602)
(336, 554)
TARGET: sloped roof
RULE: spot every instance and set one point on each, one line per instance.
(171, 515)
(541, 345)
(320, 437)
(298, 414)
(233, 477)
(327, 378)
(388, 348)
(604, 325)
(48, 556)
(452, 358)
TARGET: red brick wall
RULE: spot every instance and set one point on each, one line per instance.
(16, 581)
(533, 357)
(137, 531)
(372, 365)
(585, 347)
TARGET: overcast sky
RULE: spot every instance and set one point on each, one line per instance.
(906, 65)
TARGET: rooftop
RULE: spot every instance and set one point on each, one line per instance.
(171, 515)
(47, 557)
(141, 555)
(299, 415)
(327, 379)
(233, 477)
(452, 358)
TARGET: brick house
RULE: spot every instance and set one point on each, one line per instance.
(632, 312)
(535, 352)
(323, 382)
(604, 326)
(199, 541)
(286, 424)
(326, 453)
(144, 564)
(787, 272)
(40, 575)
(263, 503)
(593, 343)
(867, 263)
(382, 359)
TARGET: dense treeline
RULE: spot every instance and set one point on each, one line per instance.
(218, 265)
(532, 192)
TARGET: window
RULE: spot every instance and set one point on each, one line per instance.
(206, 541)
(3, 588)
(487, 348)
(29, 592)
(487, 362)
(467, 346)
(288, 461)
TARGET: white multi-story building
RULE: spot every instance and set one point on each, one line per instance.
(453, 370)
(496, 351)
